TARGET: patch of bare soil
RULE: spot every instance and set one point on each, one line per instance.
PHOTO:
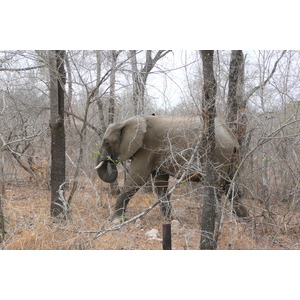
(29, 226)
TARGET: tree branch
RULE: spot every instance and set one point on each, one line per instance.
(99, 132)
(249, 94)
(22, 69)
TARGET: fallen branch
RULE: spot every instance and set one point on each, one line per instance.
(116, 227)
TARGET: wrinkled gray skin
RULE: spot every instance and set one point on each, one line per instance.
(161, 146)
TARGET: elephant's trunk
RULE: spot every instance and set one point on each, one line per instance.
(106, 170)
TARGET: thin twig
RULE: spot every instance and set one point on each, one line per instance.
(250, 93)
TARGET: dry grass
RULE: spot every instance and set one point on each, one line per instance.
(29, 226)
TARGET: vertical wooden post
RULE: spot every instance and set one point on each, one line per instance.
(167, 237)
(2, 228)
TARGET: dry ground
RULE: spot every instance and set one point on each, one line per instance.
(28, 225)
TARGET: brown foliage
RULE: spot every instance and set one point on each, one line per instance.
(29, 226)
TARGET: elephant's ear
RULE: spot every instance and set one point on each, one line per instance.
(132, 135)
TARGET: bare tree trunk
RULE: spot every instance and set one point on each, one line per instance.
(58, 206)
(237, 102)
(134, 68)
(114, 186)
(70, 89)
(237, 120)
(97, 95)
(265, 195)
(209, 113)
(112, 91)
(139, 78)
(2, 227)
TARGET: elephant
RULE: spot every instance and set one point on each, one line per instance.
(162, 146)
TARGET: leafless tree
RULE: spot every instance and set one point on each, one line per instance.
(111, 109)
(2, 191)
(69, 95)
(208, 143)
(112, 90)
(236, 103)
(59, 206)
(99, 100)
(139, 77)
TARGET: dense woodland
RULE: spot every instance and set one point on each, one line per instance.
(103, 87)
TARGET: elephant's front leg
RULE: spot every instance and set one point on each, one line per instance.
(122, 202)
(161, 181)
(138, 174)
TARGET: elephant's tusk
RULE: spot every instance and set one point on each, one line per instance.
(99, 165)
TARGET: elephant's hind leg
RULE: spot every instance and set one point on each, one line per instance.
(239, 208)
(161, 181)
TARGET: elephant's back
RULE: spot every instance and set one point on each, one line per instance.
(172, 134)
(164, 126)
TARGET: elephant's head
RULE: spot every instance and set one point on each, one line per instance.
(120, 142)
